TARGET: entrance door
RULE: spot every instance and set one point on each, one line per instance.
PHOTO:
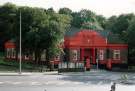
(88, 53)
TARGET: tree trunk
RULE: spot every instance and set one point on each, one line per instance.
(37, 56)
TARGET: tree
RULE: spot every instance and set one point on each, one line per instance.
(119, 25)
(7, 23)
(66, 11)
(109, 24)
(89, 20)
(101, 20)
(46, 32)
(86, 19)
(130, 37)
(122, 23)
(76, 22)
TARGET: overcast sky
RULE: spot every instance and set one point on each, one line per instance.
(103, 7)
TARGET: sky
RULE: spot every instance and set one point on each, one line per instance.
(106, 8)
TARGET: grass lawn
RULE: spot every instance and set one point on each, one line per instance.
(12, 65)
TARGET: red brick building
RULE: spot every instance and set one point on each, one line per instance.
(101, 46)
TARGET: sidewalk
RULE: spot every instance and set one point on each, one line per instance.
(28, 73)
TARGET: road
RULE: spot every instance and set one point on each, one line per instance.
(85, 81)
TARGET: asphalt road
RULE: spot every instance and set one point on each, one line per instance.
(85, 81)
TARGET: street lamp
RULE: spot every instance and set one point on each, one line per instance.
(20, 61)
(20, 43)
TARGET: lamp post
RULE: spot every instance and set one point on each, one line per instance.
(20, 43)
(20, 61)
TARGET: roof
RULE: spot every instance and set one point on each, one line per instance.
(72, 31)
(114, 38)
(111, 38)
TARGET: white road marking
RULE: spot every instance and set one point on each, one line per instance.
(15, 83)
(1, 82)
(76, 83)
(35, 83)
(8, 82)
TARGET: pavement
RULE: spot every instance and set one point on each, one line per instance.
(94, 80)
(12, 73)
(28, 73)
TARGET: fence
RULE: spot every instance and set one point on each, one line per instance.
(71, 66)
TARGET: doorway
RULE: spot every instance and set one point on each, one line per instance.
(90, 54)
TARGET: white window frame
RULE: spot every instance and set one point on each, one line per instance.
(74, 54)
(116, 52)
(101, 54)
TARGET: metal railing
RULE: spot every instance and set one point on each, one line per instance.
(71, 65)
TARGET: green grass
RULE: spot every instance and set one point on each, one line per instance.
(12, 65)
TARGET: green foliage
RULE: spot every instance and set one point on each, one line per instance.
(101, 20)
(122, 23)
(86, 19)
(119, 25)
(76, 22)
(7, 22)
(66, 11)
(110, 23)
(130, 36)
(46, 32)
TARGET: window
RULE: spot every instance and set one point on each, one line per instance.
(116, 54)
(8, 53)
(43, 55)
(26, 56)
(13, 53)
(101, 54)
(57, 57)
(74, 54)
